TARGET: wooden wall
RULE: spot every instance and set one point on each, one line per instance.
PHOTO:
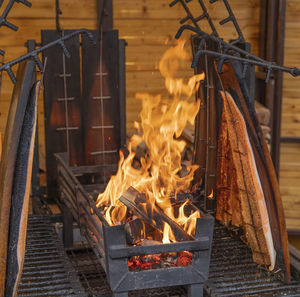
(149, 27)
(290, 153)
(41, 16)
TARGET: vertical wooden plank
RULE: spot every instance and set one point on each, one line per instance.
(62, 99)
(11, 140)
(101, 100)
(122, 88)
(105, 14)
(207, 128)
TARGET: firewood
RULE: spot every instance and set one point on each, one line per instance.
(138, 230)
(263, 114)
(151, 214)
(188, 134)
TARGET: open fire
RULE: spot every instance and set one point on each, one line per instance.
(156, 176)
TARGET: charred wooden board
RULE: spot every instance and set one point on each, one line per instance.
(206, 126)
(235, 85)
(11, 140)
(151, 214)
(101, 112)
(20, 197)
(62, 103)
(137, 230)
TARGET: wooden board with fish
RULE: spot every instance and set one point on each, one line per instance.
(20, 197)
(233, 84)
(7, 166)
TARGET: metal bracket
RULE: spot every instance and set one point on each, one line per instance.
(34, 54)
(3, 18)
(227, 50)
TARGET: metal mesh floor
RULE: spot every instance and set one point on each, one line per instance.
(93, 277)
(232, 273)
(47, 269)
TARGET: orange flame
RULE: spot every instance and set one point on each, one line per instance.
(211, 195)
(162, 122)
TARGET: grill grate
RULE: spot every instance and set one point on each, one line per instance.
(232, 273)
(93, 277)
(47, 269)
(49, 272)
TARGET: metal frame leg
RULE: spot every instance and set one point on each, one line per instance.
(195, 290)
(67, 219)
(123, 294)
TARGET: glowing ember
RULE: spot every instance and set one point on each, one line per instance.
(160, 261)
(162, 122)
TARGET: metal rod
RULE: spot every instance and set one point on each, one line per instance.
(269, 65)
(3, 20)
(34, 53)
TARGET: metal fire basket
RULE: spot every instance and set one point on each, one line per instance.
(109, 242)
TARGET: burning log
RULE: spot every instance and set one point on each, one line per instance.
(137, 230)
(151, 214)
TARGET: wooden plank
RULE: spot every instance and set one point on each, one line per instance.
(101, 100)
(20, 196)
(151, 214)
(7, 165)
(264, 165)
(62, 103)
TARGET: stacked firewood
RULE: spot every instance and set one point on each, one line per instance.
(263, 116)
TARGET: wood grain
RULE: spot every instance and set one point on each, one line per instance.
(10, 145)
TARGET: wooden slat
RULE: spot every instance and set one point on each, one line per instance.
(101, 106)
(7, 165)
(58, 114)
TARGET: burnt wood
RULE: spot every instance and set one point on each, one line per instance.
(137, 230)
(62, 104)
(13, 130)
(20, 197)
(105, 15)
(154, 216)
(197, 245)
(101, 95)
(207, 122)
(109, 241)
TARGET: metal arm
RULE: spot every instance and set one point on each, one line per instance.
(34, 54)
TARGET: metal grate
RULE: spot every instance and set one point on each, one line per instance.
(233, 272)
(93, 278)
(47, 269)
(49, 272)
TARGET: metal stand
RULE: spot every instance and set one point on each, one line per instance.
(195, 290)
(67, 218)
